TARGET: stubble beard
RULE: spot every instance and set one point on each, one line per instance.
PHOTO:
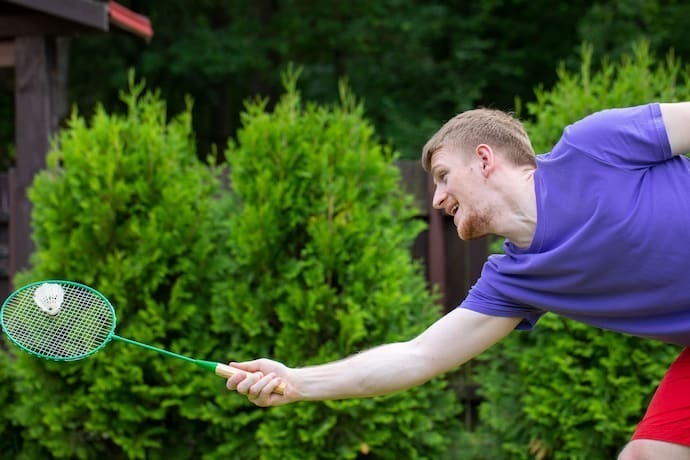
(474, 224)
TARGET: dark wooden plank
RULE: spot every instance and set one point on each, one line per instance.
(7, 53)
(32, 133)
(4, 199)
(59, 71)
(85, 12)
(414, 180)
(436, 267)
(39, 24)
(464, 262)
(11, 231)
(5, 286)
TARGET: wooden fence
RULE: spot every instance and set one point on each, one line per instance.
(452, 265)
(5, 285)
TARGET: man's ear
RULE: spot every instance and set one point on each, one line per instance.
(487, 158)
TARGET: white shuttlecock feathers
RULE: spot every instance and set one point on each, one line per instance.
(49, 297)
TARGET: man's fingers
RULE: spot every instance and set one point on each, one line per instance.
(250, 379)
(235, 379)
(261, 392)
(271, 387)
(264, 386)
(249, 366)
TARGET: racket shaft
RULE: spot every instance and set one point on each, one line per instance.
(221, 370)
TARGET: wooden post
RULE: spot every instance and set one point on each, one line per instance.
(437, 246)
(34, 40)
(33, 127)
(7, 53)
(4, 235)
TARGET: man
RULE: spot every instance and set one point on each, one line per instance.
(593, 232)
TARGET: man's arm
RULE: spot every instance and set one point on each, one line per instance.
(676, 118)
(453, 340)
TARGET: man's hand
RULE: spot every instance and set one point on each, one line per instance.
(260, 380)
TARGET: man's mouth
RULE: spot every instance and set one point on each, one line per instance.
(455, 212)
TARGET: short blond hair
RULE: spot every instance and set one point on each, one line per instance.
(483, 126)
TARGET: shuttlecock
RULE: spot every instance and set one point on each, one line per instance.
(48, 297)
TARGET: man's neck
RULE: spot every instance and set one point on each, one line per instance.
(519, 221)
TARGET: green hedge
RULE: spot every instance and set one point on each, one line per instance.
(319, 268)
(125, 206)
(305, 258)
(566, 390)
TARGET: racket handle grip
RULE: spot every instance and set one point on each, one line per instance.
(226, 371)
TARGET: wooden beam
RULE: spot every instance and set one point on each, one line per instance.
(5, 287)
(84, 12)
(436, 271)
(32, 134)
(26, 24)
(7, 53)
(414, 179)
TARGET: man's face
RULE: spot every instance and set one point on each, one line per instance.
(460, 185)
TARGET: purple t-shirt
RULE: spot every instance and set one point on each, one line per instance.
(610, 247)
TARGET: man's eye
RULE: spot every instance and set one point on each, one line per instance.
(440, 177)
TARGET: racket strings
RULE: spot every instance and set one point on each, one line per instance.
(84, 324)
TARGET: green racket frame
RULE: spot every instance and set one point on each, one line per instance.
(220, 369)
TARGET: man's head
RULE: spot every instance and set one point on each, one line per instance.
(478, 160)
(496, 128)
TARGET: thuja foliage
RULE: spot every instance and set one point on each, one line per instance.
(305, 258)
(125, 206)
(566, 390)
(319, 268)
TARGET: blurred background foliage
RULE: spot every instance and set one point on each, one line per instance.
(233, 273)
(415, 63)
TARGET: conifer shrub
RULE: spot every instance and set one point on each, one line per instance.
(126, 207)
(319, 267)
(566, 390)
(306, 258)
(11, 440)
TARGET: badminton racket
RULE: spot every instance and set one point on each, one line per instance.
(68, 321)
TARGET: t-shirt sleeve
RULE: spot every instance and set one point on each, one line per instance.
(483, 298)
(633, 137)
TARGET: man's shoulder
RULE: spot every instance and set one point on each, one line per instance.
(625, 137)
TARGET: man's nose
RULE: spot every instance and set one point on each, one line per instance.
(439, 198)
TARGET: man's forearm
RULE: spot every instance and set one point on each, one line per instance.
(449, 342)
(453, 340)
(381, 370)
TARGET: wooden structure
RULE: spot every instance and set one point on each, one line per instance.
(34, 40)
(451, 264)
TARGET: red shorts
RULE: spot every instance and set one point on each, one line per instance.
(668, 415)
